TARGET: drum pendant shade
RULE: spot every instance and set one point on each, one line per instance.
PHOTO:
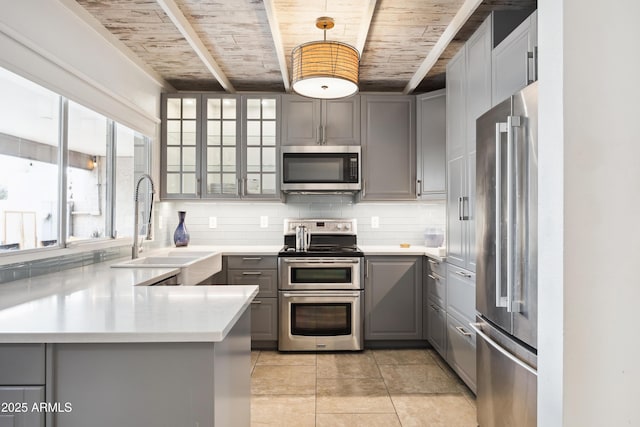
(325, 69)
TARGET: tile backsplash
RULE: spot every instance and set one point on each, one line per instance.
(239, 223)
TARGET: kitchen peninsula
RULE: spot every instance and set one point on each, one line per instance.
(99, 349)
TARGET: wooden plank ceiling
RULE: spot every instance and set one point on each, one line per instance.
(246, 41)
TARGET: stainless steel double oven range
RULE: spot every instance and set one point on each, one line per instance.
(321, 288)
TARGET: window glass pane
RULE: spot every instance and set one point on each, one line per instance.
(269, 140)
(173, 132)
(253, 159)
(213, 109)
(253, 183)
(189, 108)
(213, 129)
(214, 185)
(268, 183)
(213, 159)
(228, 108)
(173, 108)
(228, 159)
(269, 159)
(189, 132)
(86, 189)
(28, 164)
(189, 159)
(269, 109)
(253, 108)
(253, 128)
(189, 183)
(269, 128)
(173, 183)
(132, 160)
(229, 183)
(173, 159)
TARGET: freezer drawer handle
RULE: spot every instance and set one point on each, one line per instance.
(463, 332)
(492, 343)
(463, 274)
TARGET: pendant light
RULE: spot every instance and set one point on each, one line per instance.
(325, 69)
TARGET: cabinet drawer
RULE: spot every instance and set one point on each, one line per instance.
(437, 267)
(22, 364)
(437, 288)
(436, 327)
(461, 293)
(252, 261)
(461, 350)
(267, 280)
(264, 319)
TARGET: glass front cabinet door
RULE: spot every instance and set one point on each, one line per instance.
(220, 146)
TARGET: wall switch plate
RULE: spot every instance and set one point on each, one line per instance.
(375, 222)
(264, 221)
(213, 222)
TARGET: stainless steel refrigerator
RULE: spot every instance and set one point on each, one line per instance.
(507, 253)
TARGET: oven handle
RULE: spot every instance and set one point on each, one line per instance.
(320, 294)
(325, 261)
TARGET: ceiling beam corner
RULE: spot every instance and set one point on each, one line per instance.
(186, 29)
(463, 14)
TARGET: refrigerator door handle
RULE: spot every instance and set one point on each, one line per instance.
(492, 343)
(512, 121)
(501, 300)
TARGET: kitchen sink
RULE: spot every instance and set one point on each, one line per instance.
(195, 266)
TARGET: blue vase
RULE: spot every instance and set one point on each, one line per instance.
(181, 235)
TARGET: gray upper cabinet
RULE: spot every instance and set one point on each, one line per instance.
(388, 148)
(318, 122)
(431, 136)
(220, 146)
(393, 298)
(468, 97)
(514, 60)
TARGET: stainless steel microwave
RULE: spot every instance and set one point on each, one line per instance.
(321, 168)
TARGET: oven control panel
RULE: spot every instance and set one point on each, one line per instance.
(322, 226)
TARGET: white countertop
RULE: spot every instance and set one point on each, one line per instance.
(97, 303)
(436, 253)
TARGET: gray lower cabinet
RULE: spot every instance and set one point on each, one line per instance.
(22, 381)
(393, 298)
(460, 309)
(388, 147)
(262, 271)
(434, 307)
(21, 406)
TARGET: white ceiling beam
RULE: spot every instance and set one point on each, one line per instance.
(274, 25)
(365, 25)
(465, 11)
(184, 26)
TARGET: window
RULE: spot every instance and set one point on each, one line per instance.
(102, 160)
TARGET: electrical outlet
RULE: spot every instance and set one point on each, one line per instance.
(264, 221)
(213, 222)
(375, 222)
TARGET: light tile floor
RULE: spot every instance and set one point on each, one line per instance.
(371, 388)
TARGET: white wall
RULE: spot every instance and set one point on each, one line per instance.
(46, 42)
(589, 118)
(239, 222)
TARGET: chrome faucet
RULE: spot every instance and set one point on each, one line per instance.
(136, 246)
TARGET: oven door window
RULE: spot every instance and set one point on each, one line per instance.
(321, 275)
(321, 319)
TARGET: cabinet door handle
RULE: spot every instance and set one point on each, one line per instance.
(251, 258)
(535, 63)
(431, 276)
(460, 208)
(435, 308)
(418, 188)
(324, 135)
(463, 274)
(463, 332)
(465, 213)
(256, 302)
(251, 273)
